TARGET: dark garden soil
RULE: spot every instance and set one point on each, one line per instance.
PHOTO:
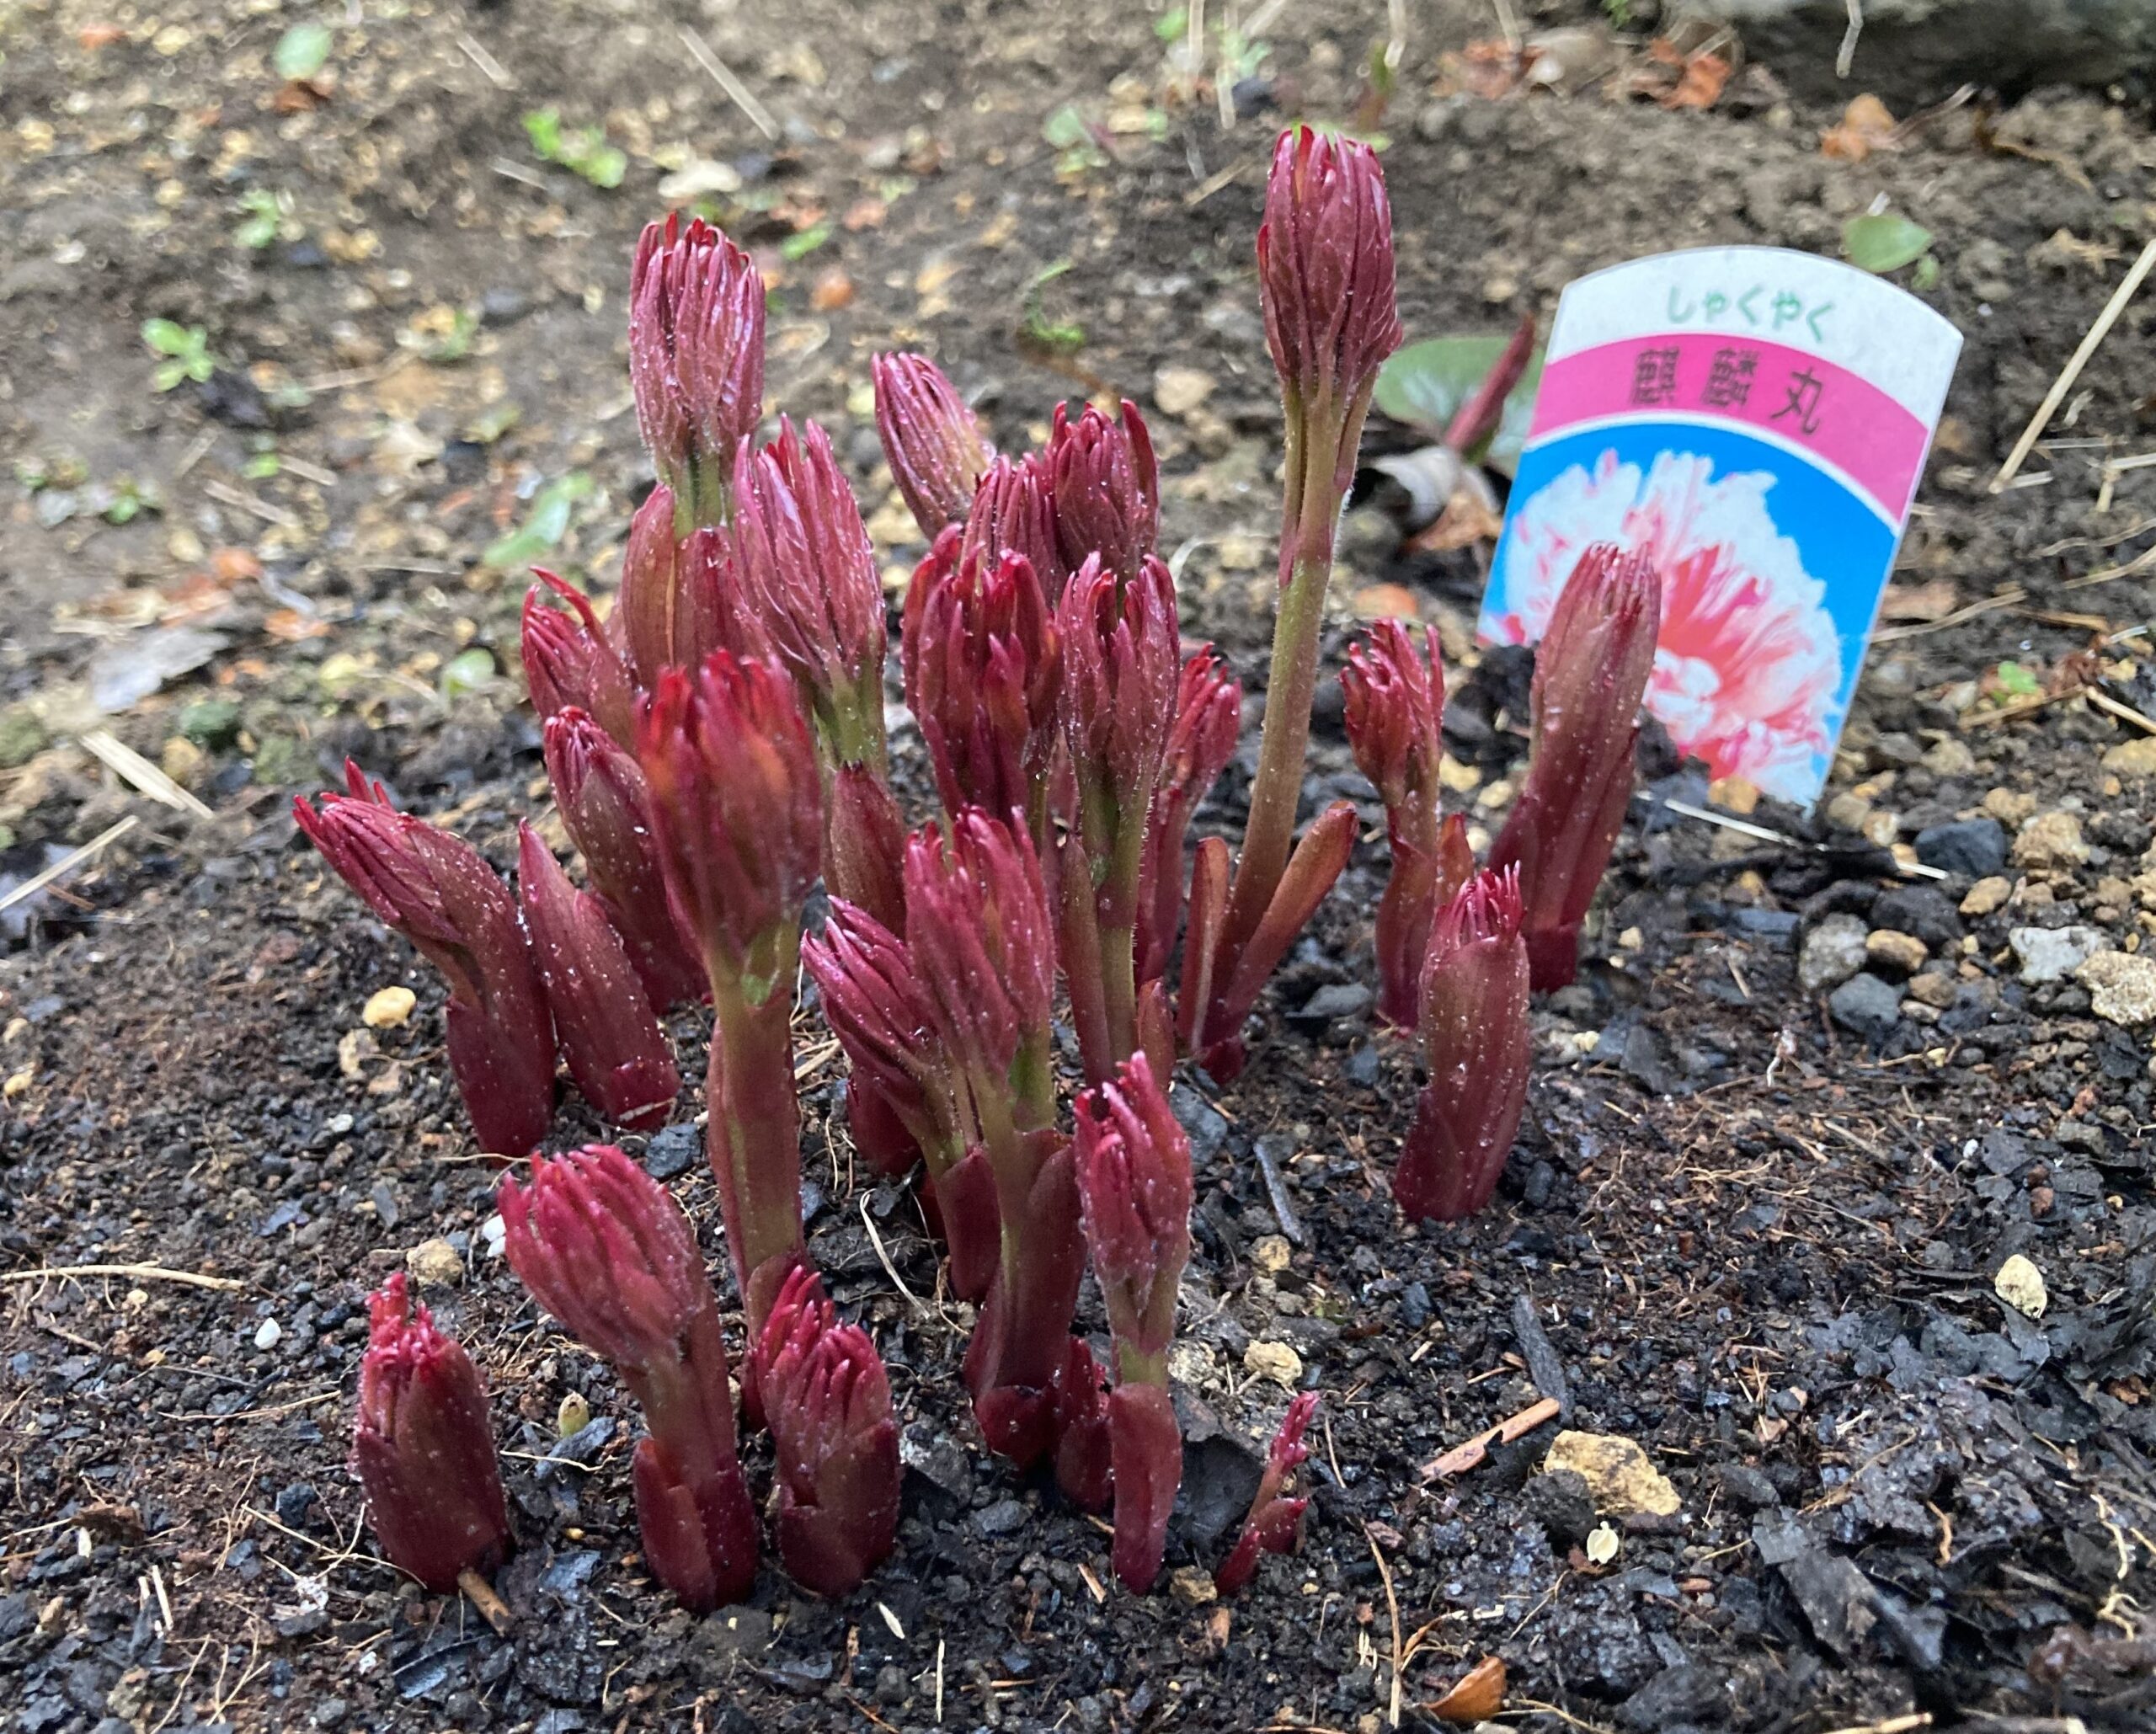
(1753, 1221)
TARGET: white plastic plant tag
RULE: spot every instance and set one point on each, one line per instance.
(1757, 421)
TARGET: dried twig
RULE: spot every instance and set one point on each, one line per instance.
(1283, 1212)
(1892, 1724)
(2124, 712)
(492, 1607)
(723, 76)
(1845, 56)
(227, 494)
(140, 1272)
(476, 52)
(67, 863)
(139, 774)
(2079, 360)
(1464, 1457)
(1392, 1608)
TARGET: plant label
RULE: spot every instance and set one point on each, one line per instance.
(1756, 420)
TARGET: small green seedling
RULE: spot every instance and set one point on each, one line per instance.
(186, 350)
(1057, 337)
(581, 150)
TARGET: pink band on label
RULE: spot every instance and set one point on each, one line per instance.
(1840, 417)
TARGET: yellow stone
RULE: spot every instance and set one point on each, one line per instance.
(1275, 1361)
(1622, 1481)
(435, 1261)
(2020, 1285)
(1270, 1253)
(388, 1009)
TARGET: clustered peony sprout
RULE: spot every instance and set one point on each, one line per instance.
(716, 747)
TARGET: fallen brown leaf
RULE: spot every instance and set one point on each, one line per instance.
(1866, 126)
(1699, 85)
(1476, 1696)
(1924, 602)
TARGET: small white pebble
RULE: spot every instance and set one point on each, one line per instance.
(268, 1335)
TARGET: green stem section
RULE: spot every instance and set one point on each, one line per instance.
(1277, 790)
(1322, 438)
(1133, 1365)
(753, 1127)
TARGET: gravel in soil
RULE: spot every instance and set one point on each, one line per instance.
(1785, 1135)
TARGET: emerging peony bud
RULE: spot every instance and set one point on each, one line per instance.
(604, 1249)
(436, 890)
(695, 359)
(606, 808)
(1478, 1049)
(980, 934)
(422, 1446)
(569, 661)
(1107, 488)
(837, 1448)
(1591, 673)
(672, 591)
(1013, 512)
(1325, 270)
(616, 1049)
(1274, 1525)
(1134, 1176)
(1325, 273)
(1120, 647)
(1134, 1183)
(736, 808)
(1395, 701)
(1208, 716)
(933, 441)
(982, 667)
(877, 1007)
(806, 581)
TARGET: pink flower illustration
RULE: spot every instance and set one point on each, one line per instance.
(1749, 661)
